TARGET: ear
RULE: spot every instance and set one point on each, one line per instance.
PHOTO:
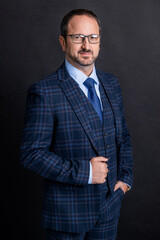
(62, 42)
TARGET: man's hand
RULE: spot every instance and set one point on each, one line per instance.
(121, 185)
(99, 169)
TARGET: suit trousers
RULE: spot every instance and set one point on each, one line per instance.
(105, 227)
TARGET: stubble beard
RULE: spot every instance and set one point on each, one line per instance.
(85, 60)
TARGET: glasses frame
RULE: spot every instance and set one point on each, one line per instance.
(84, 36)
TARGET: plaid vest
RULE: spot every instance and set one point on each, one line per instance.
(104, 132)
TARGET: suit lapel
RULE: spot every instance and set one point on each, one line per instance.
(73, 93)
(110, 93)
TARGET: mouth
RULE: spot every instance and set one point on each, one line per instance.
(85, 53)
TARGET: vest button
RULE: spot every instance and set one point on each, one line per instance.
(105, 134)
(107, 146)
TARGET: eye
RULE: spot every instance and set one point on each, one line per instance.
(94, 37)
(77, 37)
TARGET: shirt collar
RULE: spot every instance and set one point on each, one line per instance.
(78, 75)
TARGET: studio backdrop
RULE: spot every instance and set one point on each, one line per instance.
(130, 49)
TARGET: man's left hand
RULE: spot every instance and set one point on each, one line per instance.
(121, 185)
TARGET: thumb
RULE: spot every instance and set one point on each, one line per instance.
(101, 159)
(117, 185)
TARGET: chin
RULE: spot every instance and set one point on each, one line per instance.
(87, 63)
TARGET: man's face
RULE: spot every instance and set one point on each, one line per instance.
(83, 54)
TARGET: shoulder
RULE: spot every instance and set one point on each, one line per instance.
(110, 78)
(46, 85)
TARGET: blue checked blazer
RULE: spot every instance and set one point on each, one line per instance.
(58, 143)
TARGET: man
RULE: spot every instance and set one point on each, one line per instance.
(75, 136)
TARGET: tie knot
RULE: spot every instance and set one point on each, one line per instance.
(89, 82)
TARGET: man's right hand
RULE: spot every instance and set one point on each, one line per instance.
(99, 170)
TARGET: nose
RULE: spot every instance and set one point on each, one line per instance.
(85, 43)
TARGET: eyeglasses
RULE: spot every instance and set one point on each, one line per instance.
(79, 38)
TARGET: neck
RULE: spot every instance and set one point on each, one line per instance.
(87, 70)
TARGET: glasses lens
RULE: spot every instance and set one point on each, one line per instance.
(77, 38)
(94, 38)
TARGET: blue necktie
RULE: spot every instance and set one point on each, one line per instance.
(92, 96)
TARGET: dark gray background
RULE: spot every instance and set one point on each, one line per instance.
(130, 49)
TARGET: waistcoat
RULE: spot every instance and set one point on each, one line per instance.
(104, 132)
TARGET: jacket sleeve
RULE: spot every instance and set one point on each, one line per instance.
(125, 159)
(37, 136)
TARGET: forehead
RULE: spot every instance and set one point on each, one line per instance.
(83, 25)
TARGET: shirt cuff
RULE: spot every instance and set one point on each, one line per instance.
(129, 187)
(90, 174)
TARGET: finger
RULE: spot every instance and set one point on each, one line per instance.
(116, 187)
(104, 180)
(105, 172)
(104, 159)
(104, 165)
(101, 159)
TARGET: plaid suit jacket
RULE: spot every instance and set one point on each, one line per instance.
(58, 143)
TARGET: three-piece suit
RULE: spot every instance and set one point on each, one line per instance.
(62, 133)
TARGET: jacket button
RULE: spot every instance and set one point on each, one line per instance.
(107, 146)
(105, 134)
